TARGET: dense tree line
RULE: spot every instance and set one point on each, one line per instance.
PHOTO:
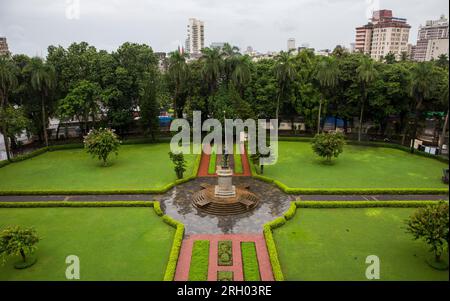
(99, 88)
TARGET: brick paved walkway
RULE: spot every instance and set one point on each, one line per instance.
(184, 260)
(204, 164)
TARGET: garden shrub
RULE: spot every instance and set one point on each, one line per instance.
(364, 204)
(176, 247)
(224, 253)
(273, 254)
(76, 204)
(101, 143)
(328, 145)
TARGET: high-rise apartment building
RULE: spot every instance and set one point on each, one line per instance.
(382, 35)
(432, 40)
(195, 41)
(291, 44)
(3, 46)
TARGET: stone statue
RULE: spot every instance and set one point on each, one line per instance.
(225, 159)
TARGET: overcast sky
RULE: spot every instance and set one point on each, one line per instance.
(31, 25)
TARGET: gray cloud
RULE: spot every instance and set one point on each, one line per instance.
(31, 26)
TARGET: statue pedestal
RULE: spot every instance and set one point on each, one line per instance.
(225, 187)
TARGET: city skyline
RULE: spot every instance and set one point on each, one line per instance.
(31, 28)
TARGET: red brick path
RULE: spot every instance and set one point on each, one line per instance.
(184, 261)
(204, 164)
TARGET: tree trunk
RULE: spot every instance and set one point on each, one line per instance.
(360, 121)
(6, 140)
(44, 122)
(416, 120)
(444, 130)
(22, 253)
(278, 104)
(318, 117)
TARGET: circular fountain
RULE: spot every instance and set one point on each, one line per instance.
(224, 198)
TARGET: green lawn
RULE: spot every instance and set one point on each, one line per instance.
(237, 160)
(111, 243)
(250, 261)
(212, 160)
(198, 270)
(140, 166)
(356, 167)
(332, 244)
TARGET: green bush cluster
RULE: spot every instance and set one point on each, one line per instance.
(176, 247)
(225, 276)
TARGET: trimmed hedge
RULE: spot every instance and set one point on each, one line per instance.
(291, 211)
(176, 247)
(364, 204)
(157, 208)
(49, 204)
(273, 253)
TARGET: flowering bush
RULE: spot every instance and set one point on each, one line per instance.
(101, 142)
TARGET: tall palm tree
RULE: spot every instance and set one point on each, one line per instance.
(231, 57)
(444, 98)
(327, 75)
(366, 74)
(43, 81)
(8, 81)
(212, 68)
(178, 72)
(422, 83)
(241, 75)
(285, 73)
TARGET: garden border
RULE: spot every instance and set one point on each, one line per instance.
(171, 266)
(290, 213)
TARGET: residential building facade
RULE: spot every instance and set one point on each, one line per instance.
(4, 50)
(432, 40)
(195, 41)
(384, 34)
(291, 44)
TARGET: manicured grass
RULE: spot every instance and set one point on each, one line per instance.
(111, 243)
(237, 160)
(332, 244)
(225, 276)
(225, 253)
(198, 271)
(250, 262)
(356, 167)
(141, 166)
(212, 161)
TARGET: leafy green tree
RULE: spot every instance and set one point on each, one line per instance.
(431, 224)
(14, 122)
(328, 145)
(241, 74)
(442, 61)
(43, 81)
(8, 81)
(366, 74)
(149, 107)
(178, 73)
(327, 75)
(83, 101)
(16, 240)
(285, 74)
(212, 70)
(101, 143)
(179, 163)
(390, 58)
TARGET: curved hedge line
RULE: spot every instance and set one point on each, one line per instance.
(176, 247)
